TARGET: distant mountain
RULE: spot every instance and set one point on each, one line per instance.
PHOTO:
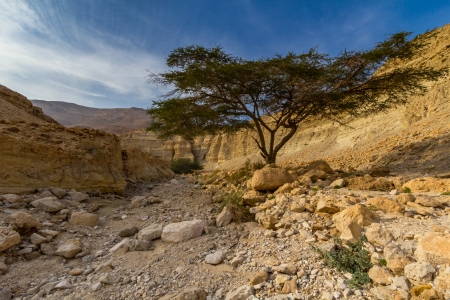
(112, 120)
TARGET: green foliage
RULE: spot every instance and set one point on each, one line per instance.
(446, 193)
(372, 207)
(352, 258)
(215, 92)
(382, 262)
(271, 197)
(233, 202)
(406, 190)
(185, 166)
(337, 187)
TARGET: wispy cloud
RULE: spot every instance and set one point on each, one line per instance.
(40, 60)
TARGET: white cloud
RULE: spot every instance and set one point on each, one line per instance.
(41, 63)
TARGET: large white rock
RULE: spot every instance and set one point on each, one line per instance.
(151, 232)
(183, 231)
(8, 238)
(434, 247)
(48, 204)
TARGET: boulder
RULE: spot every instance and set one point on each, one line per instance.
(380, 275)
(434, 247)
(358, 214)
(129, 231)
(224, 218)
(48, 204)
(37, 239)
(252, 197)
(270, 178)
(84, 219)
(367, 182)
(23, 220)
(378, 235)
(351, 233)
(442, 281)
(78, 196)
(215, 258)
(58, 192)
(259, 277)
(6, 293)
(428, 201)
(397, 264)
(289, 269)
(316, 174)
(338, 182)
(320, 165)
(138, 201)
(428, 184)
(151, 232)
(327, 206)
(8, 238)
(11, 198)
(183, 231)
(69, 249)
(386, 205)
(284, 189)
(419, 272)
(190, 293)
(404, 198)
(241, 293)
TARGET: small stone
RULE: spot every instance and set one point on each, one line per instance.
(150, 232)
(224, 218)
(69, 249)
(64, 285)
(84, 219)
(37, 239)
(215, 258)
(380, 275)
(182, 231)
(8, 238)
(259, 277)
(6, 293)
(76, 272)
(49, 204)
(96, 286)
(420, 272)
(241, 293)
(128, 231)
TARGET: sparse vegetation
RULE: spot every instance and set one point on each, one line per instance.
(337, 187)
(446, 193)
(406, 190)
(382, 262)
(352, 258)
(271, 197)
(244, 173)
(372, 207)
(185, 166)
(233, 202)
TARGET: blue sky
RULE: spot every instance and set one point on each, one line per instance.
(96, 52)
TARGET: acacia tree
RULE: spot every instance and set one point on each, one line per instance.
(215, 92)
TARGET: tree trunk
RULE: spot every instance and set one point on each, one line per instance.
(269, 158)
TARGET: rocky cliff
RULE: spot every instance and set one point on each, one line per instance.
(36, 152)
(413, 137)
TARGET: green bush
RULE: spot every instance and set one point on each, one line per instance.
(382, 262)
(337, 187)
(185, 166)
(446, 193)
(233, 202)
(352, 258)
(406, 190)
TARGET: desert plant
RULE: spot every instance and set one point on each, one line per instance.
(352, 258)
(372, 207)
(185, 166)
(233, 202)
(337, 187)
(406, 190)
(382, 262)
(446, 193)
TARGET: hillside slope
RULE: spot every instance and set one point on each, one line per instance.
(411, 138)
(37, 152)
(114, 120)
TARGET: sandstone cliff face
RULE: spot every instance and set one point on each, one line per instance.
(35, 151)
(409, 138)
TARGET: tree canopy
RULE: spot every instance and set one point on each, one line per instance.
(214, 92)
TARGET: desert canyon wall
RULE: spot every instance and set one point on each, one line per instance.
(411, 137)
(36, 152)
